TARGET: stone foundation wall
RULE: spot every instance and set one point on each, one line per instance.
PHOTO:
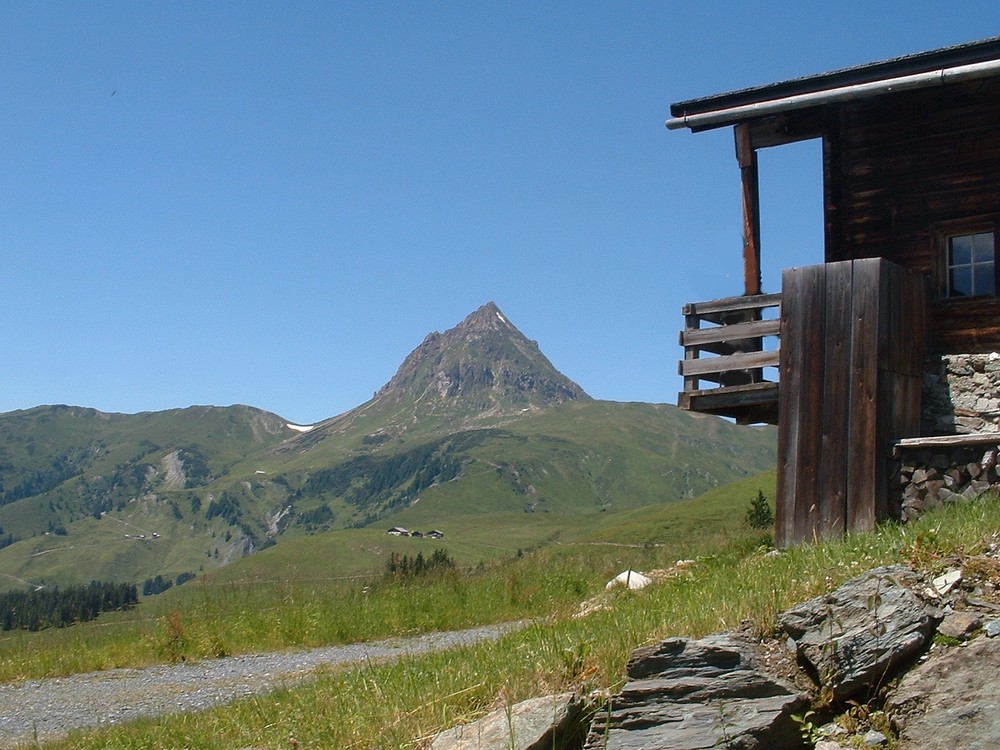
(961, 394)
(928, 477)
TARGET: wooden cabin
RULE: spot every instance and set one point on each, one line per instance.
(911, 196)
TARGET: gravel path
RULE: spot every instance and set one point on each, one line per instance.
(48, 709)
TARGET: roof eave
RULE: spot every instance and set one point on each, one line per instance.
(877, 73)
(731, 115)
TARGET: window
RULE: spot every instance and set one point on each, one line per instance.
(971, 268)
(968, 258)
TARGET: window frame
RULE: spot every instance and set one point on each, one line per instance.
(944, 233)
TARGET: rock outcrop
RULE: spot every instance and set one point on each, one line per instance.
(550, 723)
(861, 649)
(949, 701)
(851, 640)
(699, 694)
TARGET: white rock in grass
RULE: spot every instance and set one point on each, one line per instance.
(633, 579)
(944, 584)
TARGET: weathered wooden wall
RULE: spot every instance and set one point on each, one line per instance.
(898, 167)
(852, 336)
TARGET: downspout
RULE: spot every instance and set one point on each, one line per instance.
(730, 115)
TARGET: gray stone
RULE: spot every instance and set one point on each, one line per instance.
(949, 701)
(833, 730)
(933, 485)
(947, 581)
(980, 486)
(547, 723)
(945, 495)
(852, 639)
(960, 625)
(992, 628)
(874, 738)
(691, 695)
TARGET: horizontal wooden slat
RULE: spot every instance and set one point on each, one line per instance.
(744, 361)
(946, 441)
(748, 404)
(733, 304)
(737, 395)
(753, 329)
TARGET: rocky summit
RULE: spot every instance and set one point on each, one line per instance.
(483, 366)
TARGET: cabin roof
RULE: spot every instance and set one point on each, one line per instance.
(735, 106)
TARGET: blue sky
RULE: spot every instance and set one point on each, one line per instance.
(273, 203)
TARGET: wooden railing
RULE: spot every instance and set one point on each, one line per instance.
(741, 340)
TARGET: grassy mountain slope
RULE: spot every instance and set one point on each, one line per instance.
(686, 527)
(88, 461)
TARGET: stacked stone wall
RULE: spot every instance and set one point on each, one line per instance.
(960, 396)
(929, 477)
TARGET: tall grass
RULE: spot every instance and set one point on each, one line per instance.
(207, 621)
(394, 705)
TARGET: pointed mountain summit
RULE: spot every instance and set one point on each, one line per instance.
(484, 366)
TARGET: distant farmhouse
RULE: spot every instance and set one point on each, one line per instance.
(886, 384)
(400, 531)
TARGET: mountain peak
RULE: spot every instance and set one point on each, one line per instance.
(487, 316)
(484, 366)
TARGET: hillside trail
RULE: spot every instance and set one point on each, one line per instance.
(36, 711)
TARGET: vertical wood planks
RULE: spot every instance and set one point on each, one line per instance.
(852, 341)
(803, 310)
(833, 457)
(867, 335)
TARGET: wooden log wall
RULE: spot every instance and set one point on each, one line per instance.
(900, 168)
(853, 337)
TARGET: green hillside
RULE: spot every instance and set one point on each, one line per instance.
(495, 489)
(319, 589)
(477, 435)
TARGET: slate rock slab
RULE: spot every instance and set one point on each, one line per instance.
(693, 695)
(553, 722)
(950, 701)
(853, 639)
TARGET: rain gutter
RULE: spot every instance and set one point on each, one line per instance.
(730, 115)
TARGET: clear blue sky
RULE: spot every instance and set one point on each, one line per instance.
(273, 203)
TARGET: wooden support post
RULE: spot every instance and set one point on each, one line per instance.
(746, 156)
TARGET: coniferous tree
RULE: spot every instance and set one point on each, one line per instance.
(759, 514)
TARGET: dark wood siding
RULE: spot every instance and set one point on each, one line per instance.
(898, 166)
(850, 361)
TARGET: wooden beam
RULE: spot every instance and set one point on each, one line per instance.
(785, 128)
(946, 441)
(717, 310)
(742, 361)
(746, 156)
(747, 404)
(734, 332)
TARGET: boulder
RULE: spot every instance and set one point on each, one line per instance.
(631, 579)
(949, 701)
(553, 722)
(851, 640)
(960, 625)
(695, 694)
